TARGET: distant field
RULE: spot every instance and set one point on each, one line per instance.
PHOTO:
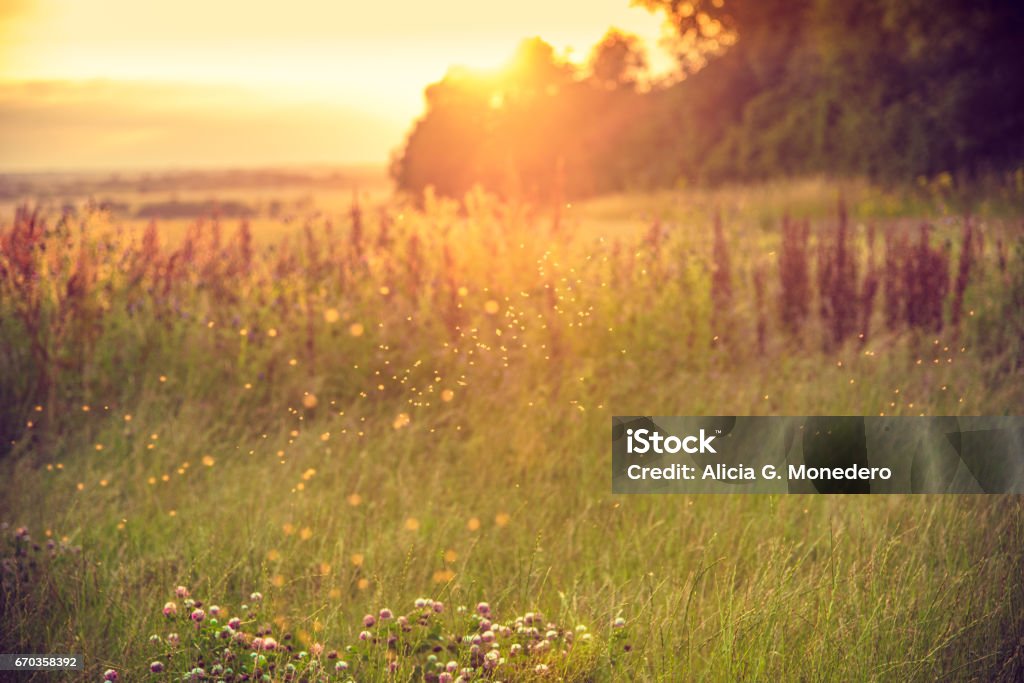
(347, 411)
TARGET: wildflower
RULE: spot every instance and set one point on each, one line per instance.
(488, 636)
(438, 607)
(173, 639)
(619, 622)
(256, 597)
(551, 635)
(110, 675)
(156, 667)
(451, 667)
(369, 621)
(365, 635)
(385, 614)
(155, 639)
(181, 592)
(235, 623)
(197, 615)
(444, 677)
(541, 669)
(341, 666)
(483, 608)
(420, 602)
(516, 649)
(170, 610)
(269, 643)
(214, 611)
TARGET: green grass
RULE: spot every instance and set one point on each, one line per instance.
(711, 587)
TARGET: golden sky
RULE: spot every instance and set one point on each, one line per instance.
(137, 83)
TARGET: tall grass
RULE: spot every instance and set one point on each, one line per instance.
(404, 403)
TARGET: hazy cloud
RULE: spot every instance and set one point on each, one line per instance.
(52, 125)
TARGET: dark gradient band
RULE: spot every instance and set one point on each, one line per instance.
(663, 454)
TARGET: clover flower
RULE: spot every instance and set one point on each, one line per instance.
(181, 592)
(156, 667)
(369, 620)
(110, 675)
(197, 615)
(170, 610)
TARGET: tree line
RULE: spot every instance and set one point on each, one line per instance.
(892, 90)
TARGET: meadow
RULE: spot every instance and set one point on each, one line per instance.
(377, 436)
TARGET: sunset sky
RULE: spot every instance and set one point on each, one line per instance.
(123, 83)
